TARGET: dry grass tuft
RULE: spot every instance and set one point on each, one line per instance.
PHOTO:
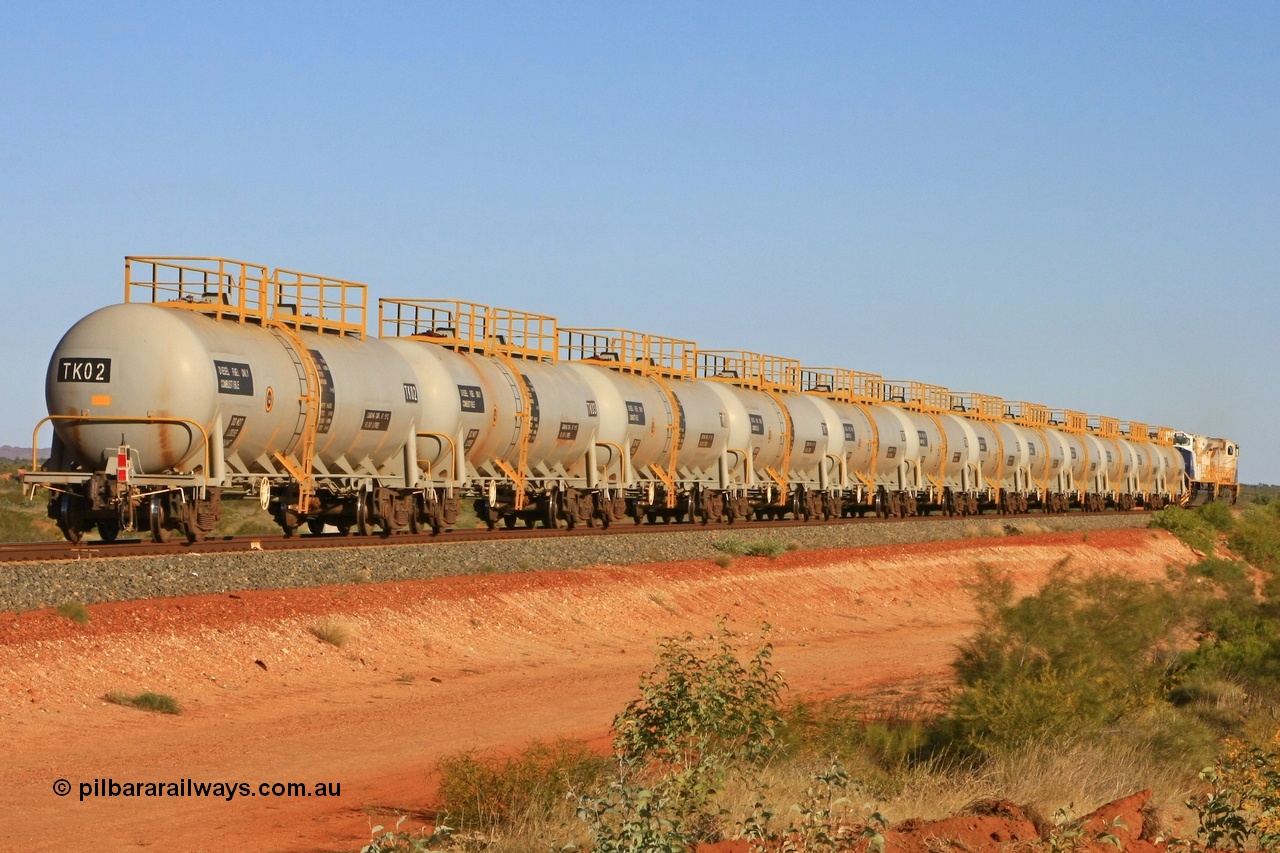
(75, 611)
(333, 630)
(661, 598)
(146, 701)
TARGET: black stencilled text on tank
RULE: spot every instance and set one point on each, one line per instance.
(410, 392)
(568, 431)
(849, 434)
(84, 370)
(377, 420)
(471, 398)
(327, 396)
(635, 413)
(234, 378)
(757, 424)
(233, 430)
(472, 435)
(535, 413)
(706, 439)
(592, 410)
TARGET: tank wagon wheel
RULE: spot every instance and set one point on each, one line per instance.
(108, 529)
(315, 526)
(363, 527)
(69, 518)
(159, 533)
(344, 529)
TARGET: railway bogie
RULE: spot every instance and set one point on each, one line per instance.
(227, 375)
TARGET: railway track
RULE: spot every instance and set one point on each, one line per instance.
(20, 552)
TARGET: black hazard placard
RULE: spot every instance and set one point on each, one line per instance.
(377, 420)
(471, 398)
(234, 378)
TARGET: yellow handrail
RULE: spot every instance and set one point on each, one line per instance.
(35, 434)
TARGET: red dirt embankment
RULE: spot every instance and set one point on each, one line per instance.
(438, 666)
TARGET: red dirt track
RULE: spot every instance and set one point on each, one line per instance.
(438, 666)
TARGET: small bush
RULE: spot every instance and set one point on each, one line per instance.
(1074, 657)
(146, 701)
(1256, 537)
(75, 611)
(1189, 526)
(724, 561)
(1217, 514)
(334, 631)
(702, 703)
(759, 547)
(1241, 811)
(485, 794)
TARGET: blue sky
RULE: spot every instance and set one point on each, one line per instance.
(1073, 204)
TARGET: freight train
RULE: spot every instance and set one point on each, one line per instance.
(218, 375)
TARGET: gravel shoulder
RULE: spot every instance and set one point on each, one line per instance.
(33, 585)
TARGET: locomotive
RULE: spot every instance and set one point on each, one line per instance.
(216, 375)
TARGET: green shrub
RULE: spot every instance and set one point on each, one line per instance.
(485, 794)
(1217, 514)
(1070, 659)
(1241, 811)
(75, 611)
(1256, 537)
(701, 703)
(656, 811)
(1188, 525)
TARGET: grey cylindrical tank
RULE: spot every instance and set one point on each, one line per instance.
(145, 361)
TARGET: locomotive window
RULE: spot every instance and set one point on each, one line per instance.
(924, 439)
(1231, 451)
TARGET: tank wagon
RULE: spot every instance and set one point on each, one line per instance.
(217, 374)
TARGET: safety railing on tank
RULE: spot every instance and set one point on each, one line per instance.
(917, 396)
(631, 352)
(1104, 426)
(985, 407)
(470, 327)
(1135, 430)
(842, 384)
(1026, 414)
(1068, 420)
(317, 303)
(751, 370)
(219, 287)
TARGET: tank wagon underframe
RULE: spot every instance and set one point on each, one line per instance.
(221, 375)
